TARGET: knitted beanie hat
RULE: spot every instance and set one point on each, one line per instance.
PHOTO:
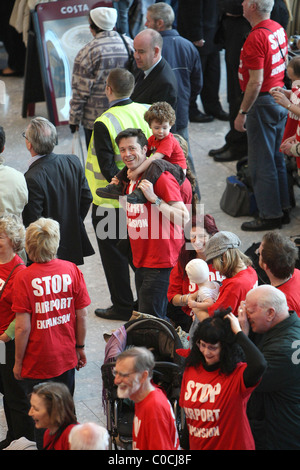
(105, 18)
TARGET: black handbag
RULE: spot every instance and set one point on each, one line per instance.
(238, 198)
(235, 200)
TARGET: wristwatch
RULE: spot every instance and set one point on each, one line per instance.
(242, 112)
(157, 202)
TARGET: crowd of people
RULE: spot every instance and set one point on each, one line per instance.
(240, 379)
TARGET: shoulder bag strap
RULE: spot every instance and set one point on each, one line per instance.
(263, 27)
(7, 279)
(125, 44)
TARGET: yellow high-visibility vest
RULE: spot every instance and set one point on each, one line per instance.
(116, 119)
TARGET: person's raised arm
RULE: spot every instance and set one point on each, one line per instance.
(256, 363)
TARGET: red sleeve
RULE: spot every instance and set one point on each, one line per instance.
(81, 296)
(227, 298)
(167, 188)
(254, 51)
(175, 282)
(21, 300)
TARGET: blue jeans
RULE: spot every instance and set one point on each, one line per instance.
(122, 6)
(265, 125)
(152, 287)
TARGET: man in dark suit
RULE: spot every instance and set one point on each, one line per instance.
(156, 80)
(198, 22)
(57, 189)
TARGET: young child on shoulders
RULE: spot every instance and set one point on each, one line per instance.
(162, 144)
(164, 154)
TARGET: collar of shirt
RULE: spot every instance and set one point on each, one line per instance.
(151, 68)
(34, 159)
(112, 103)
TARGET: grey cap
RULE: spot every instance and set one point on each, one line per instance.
(219, 243)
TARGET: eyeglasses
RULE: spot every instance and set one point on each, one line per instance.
(120, 374)
(24, 135)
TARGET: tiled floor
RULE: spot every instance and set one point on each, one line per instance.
(211, 177)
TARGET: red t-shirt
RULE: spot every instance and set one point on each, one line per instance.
(51, 293)
(291, 289)
(169, 147)
(155, 241)
(261, 51)
(179, 283)
(61, 443)
(298, 132)
(154, 426)
(234, 289)
(215, 409)
(6, 313)
(298, 140)
(292, 119)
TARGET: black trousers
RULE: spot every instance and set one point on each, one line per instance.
(211, 70)
(88, 134)
(108, 224)
(12, 40)
(15, 400)
(234, 30)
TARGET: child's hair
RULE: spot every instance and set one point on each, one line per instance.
(161, 112)
(294, 63)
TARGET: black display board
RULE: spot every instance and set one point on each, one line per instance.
(58, 30)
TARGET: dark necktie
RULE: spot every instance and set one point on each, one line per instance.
(140, 78)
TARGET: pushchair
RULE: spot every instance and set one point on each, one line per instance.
(162, 339)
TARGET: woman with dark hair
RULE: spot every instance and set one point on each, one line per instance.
(221, 371)
(197, 232)
(52, 408)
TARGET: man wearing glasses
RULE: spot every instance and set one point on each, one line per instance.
(57, 189)
(154, 426)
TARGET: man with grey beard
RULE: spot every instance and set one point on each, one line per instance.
(151, 430)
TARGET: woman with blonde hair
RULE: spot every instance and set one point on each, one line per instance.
(50, 302)
(222, 249)
(12, 236)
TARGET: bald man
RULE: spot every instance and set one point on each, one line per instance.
(274, 406)
(156, 80)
